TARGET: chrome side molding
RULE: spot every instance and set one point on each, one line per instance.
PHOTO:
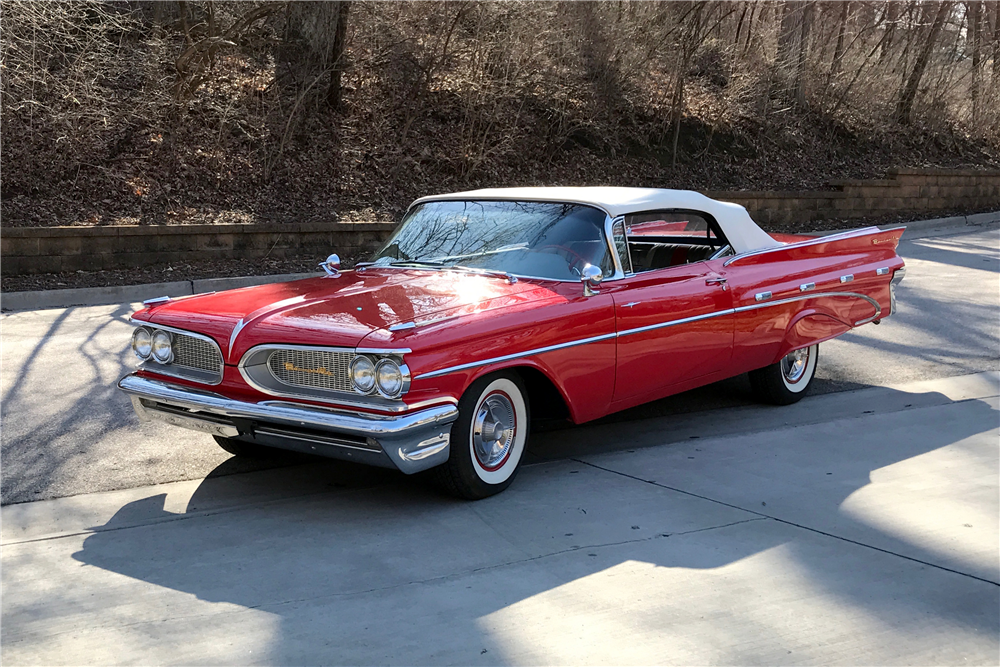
(806, 287)
(763, 296)
(848, 278)
(884, 271)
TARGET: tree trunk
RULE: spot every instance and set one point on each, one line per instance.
(314, 44)
(975, 30)
(805, 25)
(334, 94)
(838, 51)
(905, 107)
(994, 9)
(746, 44)
(788, 31)
(891, 18)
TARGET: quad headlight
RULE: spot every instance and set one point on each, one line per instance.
(389, 378)
(153, 345)
(142, 343)
(363, 374)
(386, 376)
(161, 349)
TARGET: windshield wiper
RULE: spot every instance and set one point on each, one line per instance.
(418, 262)
(506, 275)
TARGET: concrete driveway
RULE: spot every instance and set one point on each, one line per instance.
(859, 526)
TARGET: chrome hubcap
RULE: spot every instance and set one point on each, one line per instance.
(793, 366)
(493, 430)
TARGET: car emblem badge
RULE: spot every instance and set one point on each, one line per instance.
(289, 366)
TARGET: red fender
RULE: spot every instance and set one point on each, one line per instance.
(809, 328)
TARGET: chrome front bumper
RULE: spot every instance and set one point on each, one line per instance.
(410, 442)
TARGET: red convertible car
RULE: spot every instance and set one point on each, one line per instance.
(487, 308)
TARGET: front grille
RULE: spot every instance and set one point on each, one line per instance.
(312, 368)
(191, 352)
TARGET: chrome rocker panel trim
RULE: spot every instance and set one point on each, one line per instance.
(410, 442)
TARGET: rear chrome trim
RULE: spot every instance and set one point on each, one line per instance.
(810, 242)
(807, 287)
(897, 278)
(848, 278)
(882, 271)
(803, 297)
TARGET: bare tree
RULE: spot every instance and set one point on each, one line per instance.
(314, 41)
(838, 51)
(891, 19)
(994, 9)
(975, 38)
(905, 107)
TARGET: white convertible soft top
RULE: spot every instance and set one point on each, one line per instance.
(741, 231)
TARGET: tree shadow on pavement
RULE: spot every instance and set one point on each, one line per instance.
(370, 567)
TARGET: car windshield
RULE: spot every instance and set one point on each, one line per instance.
(532, 239)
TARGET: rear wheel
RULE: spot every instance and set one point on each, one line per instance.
(786, 381)
(488, 438)
(244, 450)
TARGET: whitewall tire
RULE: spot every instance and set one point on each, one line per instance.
(488, 438)
(787, 381)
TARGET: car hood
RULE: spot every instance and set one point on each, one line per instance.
(327, 311)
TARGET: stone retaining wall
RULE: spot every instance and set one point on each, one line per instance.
(903, 191)
(25, 250)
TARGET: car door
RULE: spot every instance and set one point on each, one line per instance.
(675, 327)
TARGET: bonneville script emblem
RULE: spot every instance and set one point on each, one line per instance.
(289, 366)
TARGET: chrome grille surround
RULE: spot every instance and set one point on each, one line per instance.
(315, 369)
(196, 357)
(319, 374)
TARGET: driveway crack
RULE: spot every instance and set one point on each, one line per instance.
(787, 523)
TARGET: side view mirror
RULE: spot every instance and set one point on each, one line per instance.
(331, 265)
(591, 277)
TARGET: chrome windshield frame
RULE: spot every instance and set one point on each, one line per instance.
(618, 273)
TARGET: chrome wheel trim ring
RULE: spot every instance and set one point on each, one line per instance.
(794, 365)
(494, 430)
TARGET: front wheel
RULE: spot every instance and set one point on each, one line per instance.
(787, 381)
(488, 438)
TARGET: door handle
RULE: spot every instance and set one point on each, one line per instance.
(718, 280)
